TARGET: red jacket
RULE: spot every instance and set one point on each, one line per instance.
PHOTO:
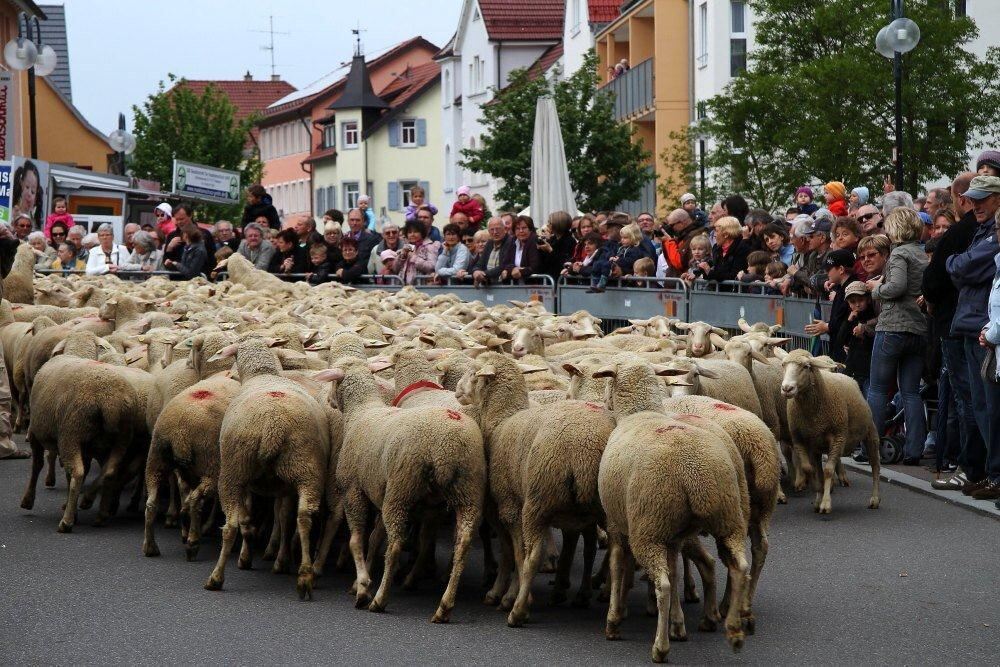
(470, 208)
(838, 207)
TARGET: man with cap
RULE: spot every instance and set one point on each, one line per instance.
(809, 276)
(973, 271)
(681, 227)
(839, 265)
(690, 204)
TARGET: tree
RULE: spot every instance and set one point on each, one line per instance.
(682, 171)
(817, 102)
(179, 123)
(606, 167)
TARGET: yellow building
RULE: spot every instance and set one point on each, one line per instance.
(654, 95)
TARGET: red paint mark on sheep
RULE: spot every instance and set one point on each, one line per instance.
(594, 406)
(723, 406)
(454, 415)
(663, 429)
(202, 394)
(276, 394)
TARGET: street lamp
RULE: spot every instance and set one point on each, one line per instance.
(899, 37)
(122, 142)
(22, 54)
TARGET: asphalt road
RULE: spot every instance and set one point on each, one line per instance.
(915, 582)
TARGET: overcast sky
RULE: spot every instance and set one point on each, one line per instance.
(120, 49)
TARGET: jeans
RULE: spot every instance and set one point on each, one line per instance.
(987, 458)
(946, 426)
(969, 401)
(899, 356)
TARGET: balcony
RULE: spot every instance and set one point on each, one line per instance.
(633, 91)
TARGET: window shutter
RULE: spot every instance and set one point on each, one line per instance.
(320, 201)
(394, 133)
(427, 190)
(393, 196)
(331, 197)
(421, 132)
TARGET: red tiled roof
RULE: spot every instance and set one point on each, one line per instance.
(603, 11)
(523, 20)
(404, 88)
(545, 61)
(321, 154)
(247, 96)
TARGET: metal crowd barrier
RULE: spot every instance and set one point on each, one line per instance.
(630, 298)
(538, 287)
(124, 275)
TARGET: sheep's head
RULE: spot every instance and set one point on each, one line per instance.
(759, 327)
(584, 325)
(583, 385)
(800, 371)
(633, 386)
(702, 338)
(690, 372)
(762, 342)
(486, 373)
(741, 351)
(528, 338)
(84, 344)
(348, 373)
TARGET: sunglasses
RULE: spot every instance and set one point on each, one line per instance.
(58, 233)
(866, 218)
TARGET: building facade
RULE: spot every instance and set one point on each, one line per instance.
(584, 19)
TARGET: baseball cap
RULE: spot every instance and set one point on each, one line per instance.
(842, 258)
(822, 225)
(857, 288)
(982, 187)
(686, 197)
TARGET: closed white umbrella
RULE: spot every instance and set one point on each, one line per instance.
(550, 187)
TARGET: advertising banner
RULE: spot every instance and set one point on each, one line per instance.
(6, 115)
(29, 189)
(210, 184)
(5, 187)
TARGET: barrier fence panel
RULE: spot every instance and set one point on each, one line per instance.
(726, 308)
(652, 296)
(540, 288)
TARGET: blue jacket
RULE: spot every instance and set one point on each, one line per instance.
(972, 272)
(993, 328)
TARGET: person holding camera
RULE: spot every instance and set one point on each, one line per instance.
(556, 247)
(418, 257)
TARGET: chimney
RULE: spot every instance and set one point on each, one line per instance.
(248, 76)
(275, 77)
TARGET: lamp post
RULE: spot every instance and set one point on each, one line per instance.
(899, 37)
(122, 142)
(22, 54)
(699, 134)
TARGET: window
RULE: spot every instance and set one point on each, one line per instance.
(404, 189)
(575, 15)
(739, 11)
(472, 87)
(330, 136)
(351, 194)
(447, 168)
(701, 110)
(475, 14)
(408, 133)
(737, 56)
(961, 8)
(350, 134)
(447, 88)
(703, 35)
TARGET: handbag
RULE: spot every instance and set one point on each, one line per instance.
(988, 371)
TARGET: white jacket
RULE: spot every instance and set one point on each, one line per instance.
(98, 261)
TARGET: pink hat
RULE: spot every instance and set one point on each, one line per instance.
(464, 190)
(387, 254)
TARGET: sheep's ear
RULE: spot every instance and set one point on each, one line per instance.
(135, 354)
(487, 371)
(546, 333)
(666, 371)
(640, 323)
(375, 344)
(754, 354)
(315, 347)
(606, 372)
(59, 348)
(427, 338)
(706, 373)
(389, 332)
(519, 304)
(624, 330)
(773, 329)
(720, 332)
(572, 369)
(225, 353)
(434, 355)
(275, 342)
(308, 335)
(380, 365)
(527, 370)
(717, 340)
(682, 326)
(776, 341)
(824, 363)
(496, 341)
(678, 382)
(780, 353)
(329, 375)
(744, 325)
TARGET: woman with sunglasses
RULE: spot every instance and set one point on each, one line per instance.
(391, 240)
(57, 234)
(164, 213)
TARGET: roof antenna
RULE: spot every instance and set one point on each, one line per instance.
(270, 47)
(357, 39)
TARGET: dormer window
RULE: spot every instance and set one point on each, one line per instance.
(475, 14)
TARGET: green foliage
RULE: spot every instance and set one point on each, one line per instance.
(682, 172)
(178, 123)
(605, 166)
(817, 103)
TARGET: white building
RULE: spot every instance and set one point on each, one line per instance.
(493, 38)
(583, 19)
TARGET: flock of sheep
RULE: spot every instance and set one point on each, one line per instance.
(294, 408)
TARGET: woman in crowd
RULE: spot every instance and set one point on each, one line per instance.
(349, 268)
(418, 256)
(520, 259)
(454, 256)
(288, 257)
(44, 254)
(193, 255)
(584, 229)
(145, 255)
(106, 256)
(901, 332)
(57, 233)
(556, 249)
(729, 255)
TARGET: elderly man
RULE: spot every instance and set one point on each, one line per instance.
(896, 199)
(305, 228)
(367, 240)
(681, 227)
(462, 220)
(937, 198)
(127, 233)
(392, 239)
(870, 220)
(973, 272)
(255, 247)
(488, 269)
(225, 236)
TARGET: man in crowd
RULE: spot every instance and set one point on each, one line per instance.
(224, 235)
(972, 271)
(127, 233)
(681, 227)
(365, 239)
(22, 227)
(425, 215)
(392, 239)
(259, 205)
(487, 271)
(305, 229)
(870, 220)
(461, 220)
(173, 247)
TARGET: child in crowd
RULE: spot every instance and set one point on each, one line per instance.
(418, 198)
(774, 275)
(487, 214)
(58, 214)
(469, 206)
(757, 262)
(319, 267)
(701, 251)
(777, 242)
(643, 268)
(856, 334)
(804, 201)
(592, 242)
(835, 194)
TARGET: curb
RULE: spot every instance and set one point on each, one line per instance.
(985, 508)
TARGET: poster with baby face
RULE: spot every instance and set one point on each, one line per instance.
(29, 189)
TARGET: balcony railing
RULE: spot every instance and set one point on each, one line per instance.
(633, 91)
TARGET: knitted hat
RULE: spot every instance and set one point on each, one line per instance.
(464, 190)
(364, 199)
(686, 197)
(805, 189)
(988, 158)
(862, 193)
(837, 190)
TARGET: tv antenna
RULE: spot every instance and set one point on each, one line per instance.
(270, 46)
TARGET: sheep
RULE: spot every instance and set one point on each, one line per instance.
(274, 440)
(394, 459)
(186, 439)
(661, 480)
(123, 310)
(542, 472)
(18, 285)
(717, 378)
(826, 415)
(702, 338)
(27, 313)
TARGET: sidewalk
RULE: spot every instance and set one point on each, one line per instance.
(919, 478)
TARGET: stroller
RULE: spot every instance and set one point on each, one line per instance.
(893, 439)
